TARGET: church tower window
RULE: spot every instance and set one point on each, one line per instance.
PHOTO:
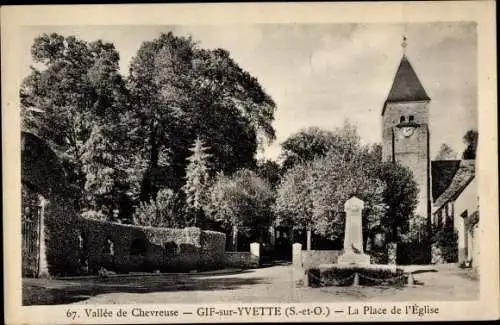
(411, 118)
(402, 119)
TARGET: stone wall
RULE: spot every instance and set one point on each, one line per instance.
(241, 260)
(476, 252)
(213, 246)
(127, 248)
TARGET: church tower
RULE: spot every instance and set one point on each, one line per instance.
(405, 125)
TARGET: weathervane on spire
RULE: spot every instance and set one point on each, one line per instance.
(404, 44)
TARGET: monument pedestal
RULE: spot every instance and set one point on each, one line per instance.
(353, 258)
(353, 235)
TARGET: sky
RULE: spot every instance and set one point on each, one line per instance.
(322, 74)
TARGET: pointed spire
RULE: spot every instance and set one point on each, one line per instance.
(406, 86)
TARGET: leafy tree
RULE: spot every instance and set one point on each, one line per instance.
(337, 178)
(102, 177)
(66, 103)
(126, 139)
(470, 139)
(313, 193)
(446, 153)
(161, 212)
(240, 200)
(179, 92)
(269, 170)
(400, 197)
(314, 142)
(197, 181)
(294, 200)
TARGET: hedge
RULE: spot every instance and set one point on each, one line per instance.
(343, 275)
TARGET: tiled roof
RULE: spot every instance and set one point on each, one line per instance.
(442, 175)
(464, 175)
(406, 86)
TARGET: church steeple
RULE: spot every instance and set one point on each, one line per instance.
(405, 129)
(406, 86)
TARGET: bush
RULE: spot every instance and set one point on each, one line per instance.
(379, 256)
(343, 275)
(160, 212)
(447, 240)
(414, 253)
(374, 277)
(314, 277)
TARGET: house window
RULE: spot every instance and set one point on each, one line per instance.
(411, 118)
(402, 119)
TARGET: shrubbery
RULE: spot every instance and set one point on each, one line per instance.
(160, 212)
(447, 240)
(343, 275)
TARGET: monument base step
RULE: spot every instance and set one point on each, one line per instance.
(351, 258)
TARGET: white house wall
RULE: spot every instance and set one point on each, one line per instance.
(466, 201)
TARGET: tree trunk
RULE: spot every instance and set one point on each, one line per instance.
(235, 238)
(147, 186)
(309, 239)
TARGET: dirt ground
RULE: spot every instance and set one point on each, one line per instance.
(268, 284)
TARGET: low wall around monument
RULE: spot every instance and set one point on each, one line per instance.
(313, 258)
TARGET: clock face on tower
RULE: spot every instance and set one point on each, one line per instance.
(407, 131)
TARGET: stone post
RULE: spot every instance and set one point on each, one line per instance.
(353, 235)
(43, 270)
(297, 255)
(272, 235)
(309, 238)
(299, 274)
(255, 252)
(234, 242)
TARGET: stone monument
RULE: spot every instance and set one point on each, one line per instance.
(353, 236)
